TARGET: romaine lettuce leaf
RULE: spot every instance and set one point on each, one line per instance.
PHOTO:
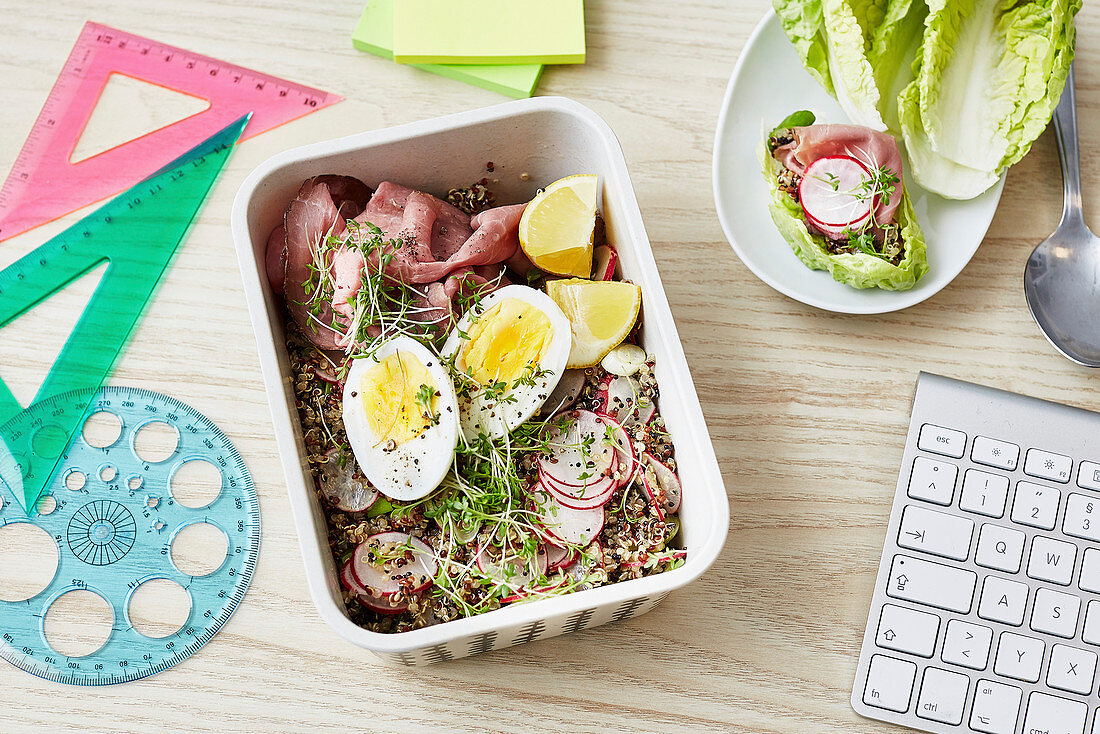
(985, 76)
(930, 169)
(858, 270)
(849, 26)
(803, 22)
(895, 45)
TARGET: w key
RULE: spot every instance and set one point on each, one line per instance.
(935, 532)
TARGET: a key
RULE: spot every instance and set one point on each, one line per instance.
(907, 630)
(935, 532)
(1047, 465)
(1071, 669)
(1055, 613)
(996, 707)
(1088, 475)
(933, 481)
(1091, 631)
(1052, 560)
(984, 493)
(1035, 505)
(1001, 548)
(1003, 601)
(939, 440)
(1019, 657)
(1090, 571)
(932, 584)
(991, 452)
(966, 644)
(889, 683)
(1048, 714)
(942, 696)
(1082, 518)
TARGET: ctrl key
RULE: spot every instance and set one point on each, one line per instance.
(996, 708)
(889, 683)
(942, 696)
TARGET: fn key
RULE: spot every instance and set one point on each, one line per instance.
(889, 683)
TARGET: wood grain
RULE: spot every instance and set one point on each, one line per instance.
(807, 409)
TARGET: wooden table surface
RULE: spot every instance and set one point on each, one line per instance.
(807, 409)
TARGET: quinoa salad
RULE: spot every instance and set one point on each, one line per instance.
(479, 417)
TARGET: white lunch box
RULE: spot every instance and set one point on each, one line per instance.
(531, 143)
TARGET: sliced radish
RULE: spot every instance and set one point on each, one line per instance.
(653, 489)
(345, 487)
(586, 501)
(401, 574)
(383, 605)
(513, 571)
(624, 360)
(581, 453)
(676, 556)
(830, 192)
(557, 557)
(621, 400)
(566, 524)
(624, 453)
(566, 392)
(604, 258)
(668, 482)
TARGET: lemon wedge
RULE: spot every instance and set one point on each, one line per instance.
(555, 230)
(601, 314)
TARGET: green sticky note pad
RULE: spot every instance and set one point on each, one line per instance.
(488, 32)
(374, 34)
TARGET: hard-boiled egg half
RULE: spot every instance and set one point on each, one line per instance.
(401, 418)
(510, 350)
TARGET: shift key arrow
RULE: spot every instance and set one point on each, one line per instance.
(934, 532)
(933, 584)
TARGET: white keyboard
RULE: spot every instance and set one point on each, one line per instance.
(986, 612)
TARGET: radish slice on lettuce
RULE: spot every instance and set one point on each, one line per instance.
(835, 193)
(393, 562)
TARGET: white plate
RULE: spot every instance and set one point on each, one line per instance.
(768, 84)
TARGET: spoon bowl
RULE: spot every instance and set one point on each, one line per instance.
(1062, 276)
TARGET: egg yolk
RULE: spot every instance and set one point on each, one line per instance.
(399, 397)
(505, 340)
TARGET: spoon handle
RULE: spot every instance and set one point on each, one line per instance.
(1065, 128)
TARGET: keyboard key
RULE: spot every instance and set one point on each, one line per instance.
(1047, 465)
(935, 532)
(991, 452)
(942, 696)
(1003, 601)
(1053, 715)
(984, 493)
(1000, 548)
(944, 441)
(966, 644)
(1035, 505)
(1091, 633)
(1090, 571)
(996, 708)
(932, 584)
(1096, 722)
(1055, 613)
(889, 683)
(933, 481)
(1052, 560)
(1071, 669)
(1082, 518)
(1088, 475)
(1019, 657)
(907, 630)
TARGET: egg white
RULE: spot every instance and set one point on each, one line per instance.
(411, 469)
(496, 417)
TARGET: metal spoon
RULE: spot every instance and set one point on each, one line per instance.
(1062, 276)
